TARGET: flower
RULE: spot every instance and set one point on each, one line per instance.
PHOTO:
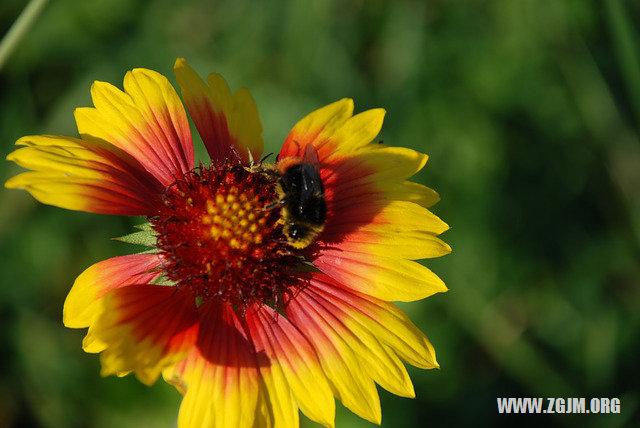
(249, 324)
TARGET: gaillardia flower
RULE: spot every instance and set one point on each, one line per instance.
(266, 288)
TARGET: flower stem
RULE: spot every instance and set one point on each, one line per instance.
(19, 28)
(626, 50)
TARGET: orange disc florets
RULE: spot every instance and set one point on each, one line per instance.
(218, 239)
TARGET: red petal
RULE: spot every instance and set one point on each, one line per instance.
(145, 328)
(293, 376)
(219, 377)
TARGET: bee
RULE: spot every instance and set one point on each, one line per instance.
(301, 195)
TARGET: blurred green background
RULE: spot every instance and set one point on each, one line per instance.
(529, 110)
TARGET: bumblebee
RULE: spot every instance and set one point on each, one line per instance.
(301, 193)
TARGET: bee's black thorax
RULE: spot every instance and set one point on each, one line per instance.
(304, 206)
(304, 193)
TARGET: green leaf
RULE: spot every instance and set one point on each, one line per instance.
(144, 226)
(163, 280)
(150, 251)
(305, 266)
(146, 237)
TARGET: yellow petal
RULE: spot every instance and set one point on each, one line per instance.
(317, 128)
(386, 278)
(79, 175)
(358, 131)
(147, 121)
(225, 122)
(220, 376)
(145, 328)
(382, 364)
(291, 371)
(333, 343)
(281, 409)
(369, 318)
(385, 241)
(160, 106)
(412, 192)
(84, 302)
(375, 165)
(396, 229)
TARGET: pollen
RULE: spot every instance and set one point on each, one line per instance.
(217, 237)
(225, 212)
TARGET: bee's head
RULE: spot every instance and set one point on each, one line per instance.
(285, 164)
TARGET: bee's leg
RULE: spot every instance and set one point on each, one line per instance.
(254, 167)
(265, 157)
(275, 204)
(271, 173)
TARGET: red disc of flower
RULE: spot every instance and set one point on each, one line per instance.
(249, 320)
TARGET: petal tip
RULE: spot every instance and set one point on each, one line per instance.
(144, 377)
(348, 103)
(66, 318)
(181, 66)
(343, 104)
(11, 183)
(180, 62)
(411, 393)
(97, 84)
(143, 71)
(23, 141)
(379, 111)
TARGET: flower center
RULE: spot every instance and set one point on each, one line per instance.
(217, 238)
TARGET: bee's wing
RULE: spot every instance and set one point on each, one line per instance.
(311, 155)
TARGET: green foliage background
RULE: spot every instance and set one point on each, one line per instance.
(530, 111)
